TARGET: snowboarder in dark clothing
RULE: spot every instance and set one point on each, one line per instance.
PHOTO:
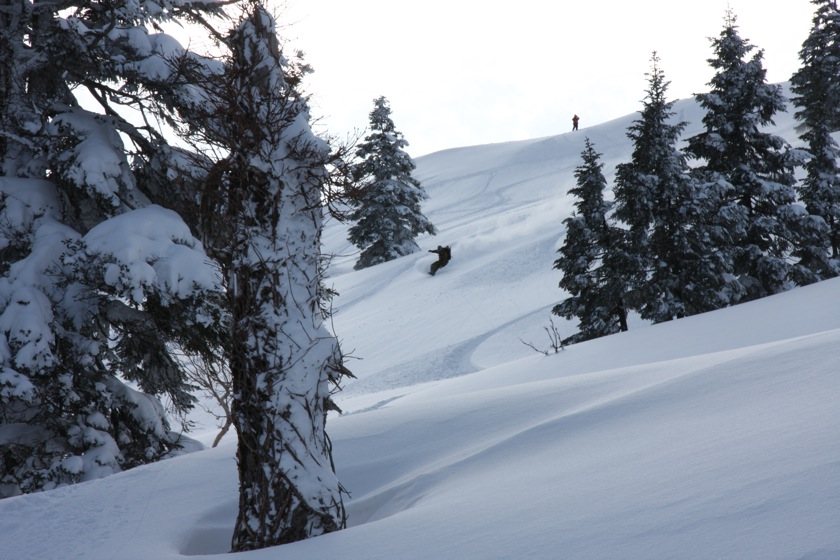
(444, 255)
(575, 120)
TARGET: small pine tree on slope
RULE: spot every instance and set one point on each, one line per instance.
(816, 88)
(677, 274)
(387, 211)
(596, 288)
(747, 174)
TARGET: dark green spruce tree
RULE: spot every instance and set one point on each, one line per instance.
(596, 289)
(816, 88)
(747, 173)
(387, 211)
(676, 274)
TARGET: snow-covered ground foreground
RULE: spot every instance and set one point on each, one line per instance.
(712, 437)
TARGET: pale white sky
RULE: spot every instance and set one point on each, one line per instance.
(466, 72)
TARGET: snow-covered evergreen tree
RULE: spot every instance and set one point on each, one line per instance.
(816, 88)
(635, 193)
(262, 218)
(387, 211)
(596, 288)
(17, 99)
(747, 173)
(97, 285)
(676, 274)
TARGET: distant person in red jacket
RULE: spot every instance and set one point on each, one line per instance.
(575, 120)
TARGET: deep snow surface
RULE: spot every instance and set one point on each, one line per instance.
(712, 437)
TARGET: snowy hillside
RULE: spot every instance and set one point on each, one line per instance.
(500, 207)
(712, 437)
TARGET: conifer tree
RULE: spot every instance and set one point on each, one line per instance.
(262, 215)
(595, 286)
(97, 284)
(816, 88)
(387, 211)
(675, 273)
(746, 173)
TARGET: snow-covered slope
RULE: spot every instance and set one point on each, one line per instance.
(500, 207)
(710, 437)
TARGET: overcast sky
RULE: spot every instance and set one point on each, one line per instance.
(466, 72)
